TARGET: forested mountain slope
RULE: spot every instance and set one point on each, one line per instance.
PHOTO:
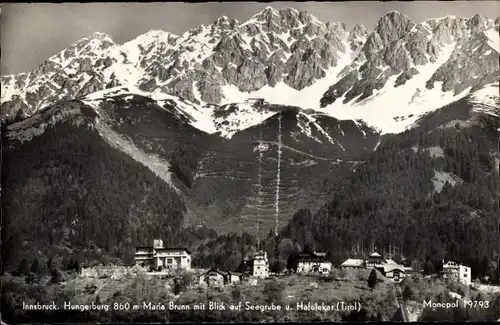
(429, 193)
(67, 191)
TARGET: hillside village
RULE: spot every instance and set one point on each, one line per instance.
(157, 260)
(397, 281)
(164, 280)
(192, 145)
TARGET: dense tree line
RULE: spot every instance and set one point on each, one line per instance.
(69, 190)
(391, 201)
(184, 161)
(160, 130)
(226, 251)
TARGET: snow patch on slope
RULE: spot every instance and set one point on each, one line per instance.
(388, 115)
(487, 99)
(441, 178)
(434, 152)
(199, 117)
(282, 94)
(493, 39)
(157, 165)
(235, 117)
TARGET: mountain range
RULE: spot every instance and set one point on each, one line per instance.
(288, 57)
(176, 110)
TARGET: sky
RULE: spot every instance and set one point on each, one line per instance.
(30, 33)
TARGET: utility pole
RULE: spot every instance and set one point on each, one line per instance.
(259, 204)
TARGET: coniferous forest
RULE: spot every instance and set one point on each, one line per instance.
(83, 197)
(70, 200)
(391, 201)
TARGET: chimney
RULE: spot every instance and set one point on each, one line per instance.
(157, 243)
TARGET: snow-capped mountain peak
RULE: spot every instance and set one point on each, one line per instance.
(286, 56)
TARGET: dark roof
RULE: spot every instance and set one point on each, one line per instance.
(390, 268)
(143, 247)
(223, 273)
(173, 249)
(313, 257)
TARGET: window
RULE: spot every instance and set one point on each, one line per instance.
(169, 261)
(258, 267)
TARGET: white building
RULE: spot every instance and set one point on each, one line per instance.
(393, 271)
(313, 263)
(161, 257)
(387, 266)
(212, 278)
(458, 272)
(257, 101)
(375, 260)
(260, 267)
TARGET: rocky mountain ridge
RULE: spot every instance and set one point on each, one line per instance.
(273, 46)
(399, 47)
(288, 57)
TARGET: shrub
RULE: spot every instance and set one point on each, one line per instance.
(35, 267)
(391, 294)
(274, 292)
(410, 293)
(56, 276)
(461, 291)
(23, 268)
(372, 279)
(361, 274)
(236, 294)
(187, 278)
(30, 278)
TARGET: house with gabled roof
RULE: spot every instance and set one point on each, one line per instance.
(315, 262)
(392, 271)
(375, 259)
(215, 277)
(386, 265)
